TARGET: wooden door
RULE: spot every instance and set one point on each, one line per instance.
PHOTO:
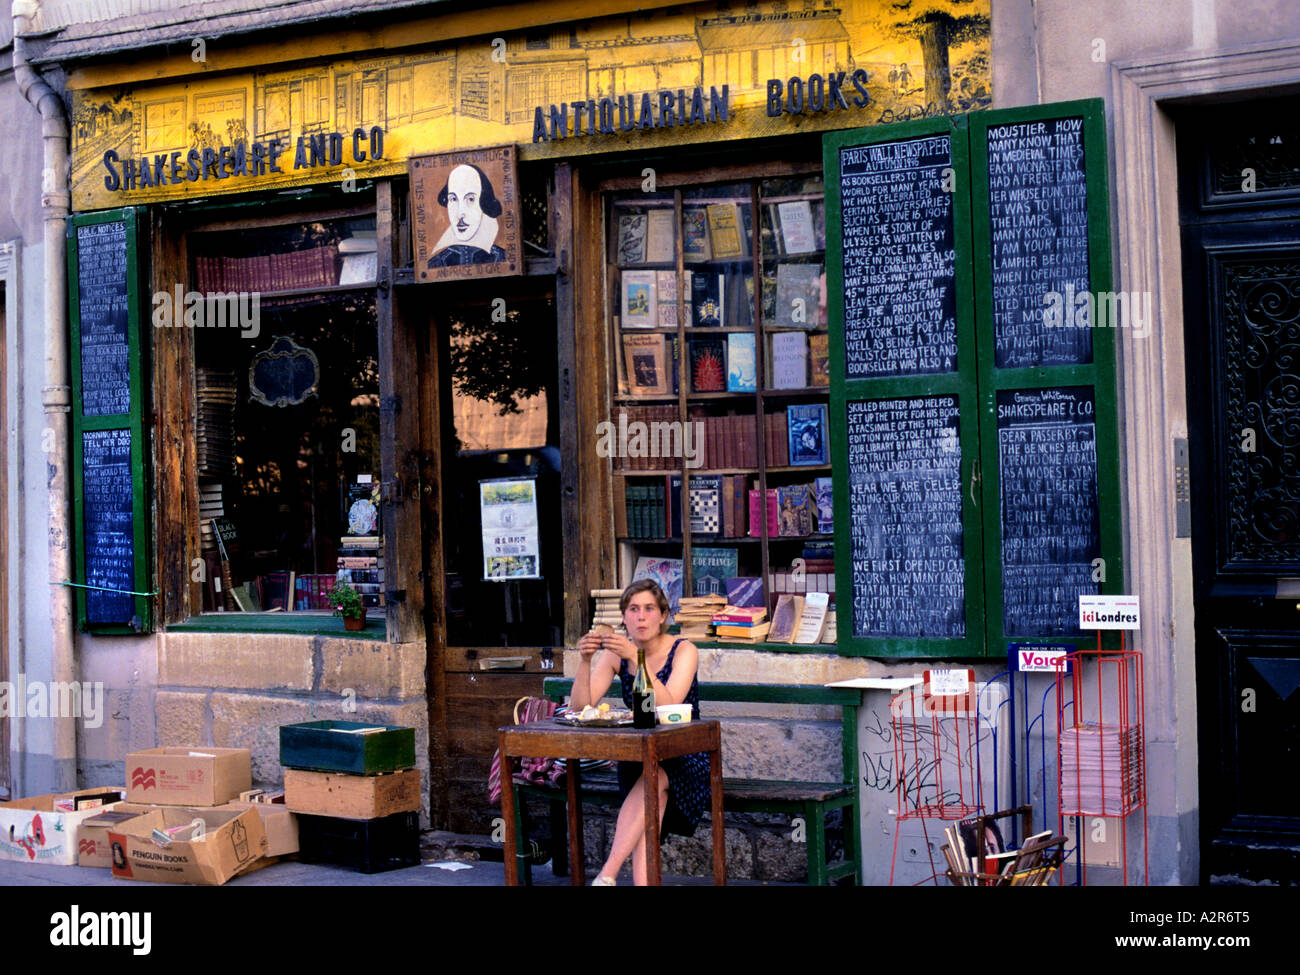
(497, 599)
(1239, 174)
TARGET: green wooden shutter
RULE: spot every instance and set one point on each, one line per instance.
(1067, 127)
(110, 479)
(993, 369)
(918, 595)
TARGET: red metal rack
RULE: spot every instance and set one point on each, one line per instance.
(936, 776)
(1101, 746)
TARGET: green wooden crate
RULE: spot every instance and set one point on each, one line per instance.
(332, 746)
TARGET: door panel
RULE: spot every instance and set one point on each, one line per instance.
(1241, 276)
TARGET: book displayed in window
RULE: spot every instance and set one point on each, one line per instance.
(647, 366)
(736, 325)
(640, 303)
(741, 364)
(807, 434)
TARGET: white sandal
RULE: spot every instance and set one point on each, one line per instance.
(603, 881)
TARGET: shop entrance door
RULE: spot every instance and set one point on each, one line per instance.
(497, 625)
(1239, 175)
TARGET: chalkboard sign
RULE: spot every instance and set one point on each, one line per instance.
(102, 291)
(958, 530)
(905, 513)
(1047, 475)
(107, 502)
(109, 444)
(898, 258)
(1038, 224)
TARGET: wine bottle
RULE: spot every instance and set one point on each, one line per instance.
(643, 695)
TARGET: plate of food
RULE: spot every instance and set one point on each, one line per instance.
(602, 716)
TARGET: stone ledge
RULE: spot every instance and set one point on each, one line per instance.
(246, 661)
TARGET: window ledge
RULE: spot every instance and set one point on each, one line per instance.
(304, 623)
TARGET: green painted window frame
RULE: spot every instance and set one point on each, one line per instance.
(134, 421)
(976, 382)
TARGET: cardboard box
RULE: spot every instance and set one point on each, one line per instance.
(92, 839)
(347, 746)
(33, 831)
(352, 796)
(280, 824)
(232, 841)
(198, 776)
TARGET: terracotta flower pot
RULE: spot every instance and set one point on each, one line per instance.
(355, 623)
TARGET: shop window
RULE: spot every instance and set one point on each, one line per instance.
(287, 416)
(715, 309)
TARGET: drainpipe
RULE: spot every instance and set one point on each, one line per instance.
(56, 394)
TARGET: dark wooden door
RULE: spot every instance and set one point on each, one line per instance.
(497, 622)
(1239, 174)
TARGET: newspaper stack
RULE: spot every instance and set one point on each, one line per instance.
(1101, 770)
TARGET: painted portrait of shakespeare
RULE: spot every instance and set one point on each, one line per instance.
(472, 211)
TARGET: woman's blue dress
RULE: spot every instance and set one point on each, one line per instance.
(688, 775)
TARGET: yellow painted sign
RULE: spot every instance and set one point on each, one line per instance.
(555, 92)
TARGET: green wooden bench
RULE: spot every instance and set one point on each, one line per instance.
(811, 800)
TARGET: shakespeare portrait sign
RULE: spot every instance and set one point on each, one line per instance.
(465, 215)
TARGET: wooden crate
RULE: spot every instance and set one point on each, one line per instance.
(351, 796)
(367, 845)
(334, 746)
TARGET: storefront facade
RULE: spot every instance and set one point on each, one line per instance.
(372, 378)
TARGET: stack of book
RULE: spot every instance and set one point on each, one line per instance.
(696, 613)
(813, 571)
(214, 432)
(361, 565)
(210, 506)
(1101, 769)
(742, 624)
(607, 610)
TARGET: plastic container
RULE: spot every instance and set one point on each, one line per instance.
(673, 713)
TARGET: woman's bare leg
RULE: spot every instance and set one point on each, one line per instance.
(639, 870)
(629, 833)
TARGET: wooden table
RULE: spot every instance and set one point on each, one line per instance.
(542, 739)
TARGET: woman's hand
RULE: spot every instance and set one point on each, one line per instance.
(589, 644)
(621, 646)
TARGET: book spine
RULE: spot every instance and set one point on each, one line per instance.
(620, 512)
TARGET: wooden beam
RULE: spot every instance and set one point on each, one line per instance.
(398, 435)
(176, 502)
(430, 337)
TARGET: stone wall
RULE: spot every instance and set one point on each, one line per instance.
(236, 690)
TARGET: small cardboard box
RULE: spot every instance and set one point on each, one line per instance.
(92, 840)
(280, 824)
(199, 776)
(232, 841)
(352, 796)
(347, 746)
(34, 831)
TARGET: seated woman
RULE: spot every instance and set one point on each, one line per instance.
(683, 782)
